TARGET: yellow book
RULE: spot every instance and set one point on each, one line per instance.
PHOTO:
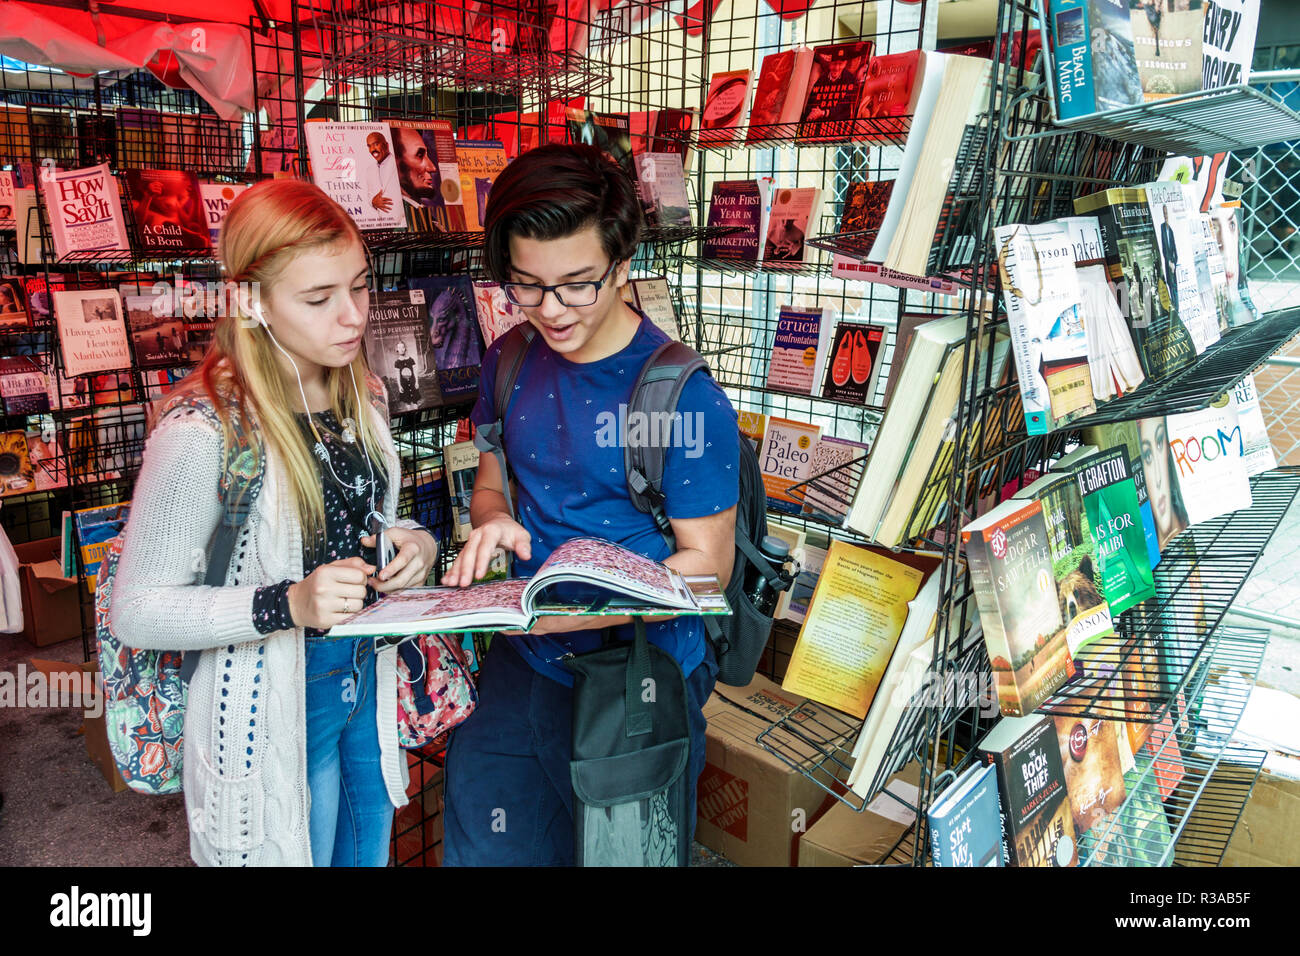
(853, 622)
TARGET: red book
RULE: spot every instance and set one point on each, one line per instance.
(779, 96)
(724, 107)
(833, 84)
(889, 92)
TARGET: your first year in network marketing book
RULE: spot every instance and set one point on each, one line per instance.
(582, 576)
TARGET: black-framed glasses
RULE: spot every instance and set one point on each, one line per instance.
(572, 295)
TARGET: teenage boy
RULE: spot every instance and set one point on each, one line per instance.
(562, 225)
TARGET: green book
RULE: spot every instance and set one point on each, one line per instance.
(1111, 504)
(1074, 559)
(1137, 834)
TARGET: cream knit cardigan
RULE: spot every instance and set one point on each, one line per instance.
(245, 757)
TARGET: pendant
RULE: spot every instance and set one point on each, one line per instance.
(349, 434)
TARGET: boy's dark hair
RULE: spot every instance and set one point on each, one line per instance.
(554, 191)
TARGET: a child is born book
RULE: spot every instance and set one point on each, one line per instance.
(582, 576)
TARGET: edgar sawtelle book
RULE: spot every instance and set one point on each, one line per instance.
(582, 576)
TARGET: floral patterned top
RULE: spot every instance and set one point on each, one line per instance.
(345, 523)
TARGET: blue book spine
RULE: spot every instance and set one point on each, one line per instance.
(1149, 530)
(1073, 77)
(969, 833)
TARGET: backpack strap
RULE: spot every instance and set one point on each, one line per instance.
(490, 436)
(658, 389)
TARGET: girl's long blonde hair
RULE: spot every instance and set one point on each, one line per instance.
(266, 228)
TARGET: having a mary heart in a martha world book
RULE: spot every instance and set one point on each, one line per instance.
(582, 576)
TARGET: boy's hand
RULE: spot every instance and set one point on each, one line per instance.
(474, 558)
(416, 552)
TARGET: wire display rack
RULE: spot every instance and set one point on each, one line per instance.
(1194, 777)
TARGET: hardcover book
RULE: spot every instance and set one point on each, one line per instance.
(834, 84)
(779, 96)
(1009, 557)
(167, 208)
(1110, 502)
(672, 133)
(965, 829)
(355, 166)
(1168, 44)
(1084, 610)
(1177, 259)
(1208, 450)
(453, 332)
(85, 211)
(794, 212)
(1094, 778)
(157, 332)
(398, 350)
(1037, 825)
(786, 460)
(1041, 292)
(1096, 65)
(24, 389)
(91, 331)
(853, 362)
(798, 349)
(865, 206)
(582, 576)
(724, 108)
(480, 163)
(739, 205)
(889, 94)
(610, 132)
(1128, 234)
(217, 198)
(429, 175)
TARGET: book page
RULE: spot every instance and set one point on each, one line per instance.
(612, 566)
(853, 623)
(492, 604)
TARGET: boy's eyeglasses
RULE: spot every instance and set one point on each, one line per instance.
(572, 295)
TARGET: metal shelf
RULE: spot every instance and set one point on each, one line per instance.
(866, 131)
(1203, 806)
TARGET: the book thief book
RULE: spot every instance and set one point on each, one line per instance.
(1009, 558)
(1037, 823)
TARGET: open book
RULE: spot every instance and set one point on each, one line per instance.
(582, 576)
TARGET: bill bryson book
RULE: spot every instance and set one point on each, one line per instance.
(581, 576)
(1040, 289)
(355, 165)
(1009, 558)
(1110, 502)
(740, 206)
(965, 829)
(453, 333)
(398, 350)
(1037, 823)
(1084, 610)
(799, 349)
(85, 211)
(167, 208)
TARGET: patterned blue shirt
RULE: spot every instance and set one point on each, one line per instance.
(563, 438)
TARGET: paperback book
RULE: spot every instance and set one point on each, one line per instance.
(1094, 778)
(582, 576)
(799, 349)
(167, 211)
(1168, 44)
(1096, 63)
(1258, 450)
(460, 460)
(354, 164)
(96, 528)
(853, 363)
(1037, 825)
(889, 93)
(1125, 435)
(1008, 554)
(85, 211)
(452, 332)
(786, 462)
(794, 211)
(662, 185)
(835, 469)
(865, 206)
(24, 387)
(740, 207)
(16, 474)
(13, 303)
(91, 331)
(1228, 42)
(1208, 451)
(654, 298)
(779, 96)
(609, 132)
(157, 332)
(497, 315)
(480, 163)
(723, 117)
(217, 198)
(965, 828)
(399, 351)
(1177, 258)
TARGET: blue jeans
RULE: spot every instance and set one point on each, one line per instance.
(351, 820)
(509, 799)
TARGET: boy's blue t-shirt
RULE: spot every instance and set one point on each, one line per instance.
(563, 444)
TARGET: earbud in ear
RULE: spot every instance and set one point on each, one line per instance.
(256, 309)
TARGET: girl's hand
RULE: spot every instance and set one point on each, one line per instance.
(416, 552)
(473, 560)
(330, 594)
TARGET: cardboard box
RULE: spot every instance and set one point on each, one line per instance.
(1269, 831)
(751, 804)
(845, 837)
(51, 607)
(776, 656)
